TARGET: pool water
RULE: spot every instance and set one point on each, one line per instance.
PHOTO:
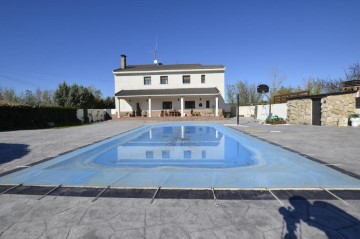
(182, 155)
(181, 146)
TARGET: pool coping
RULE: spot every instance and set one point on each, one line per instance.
(63, 153)
(184, 193)
(341, 170)
(193, 193)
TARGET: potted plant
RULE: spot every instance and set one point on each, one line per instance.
(355, 120)
(275, 120)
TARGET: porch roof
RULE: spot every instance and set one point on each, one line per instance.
(168, 92)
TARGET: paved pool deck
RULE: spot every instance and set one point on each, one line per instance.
(303, 216)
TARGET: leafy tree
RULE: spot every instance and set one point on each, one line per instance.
(9, 95)
(109, 102)
(77, 96)
(38, 98)
(322, 86)
(283, 90)
(47, 98)
(29, 98)
(86, 98)
(312, 85)
(61, 94)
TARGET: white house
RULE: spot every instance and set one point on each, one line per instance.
(175, 90)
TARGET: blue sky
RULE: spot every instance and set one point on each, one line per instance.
(43, 43)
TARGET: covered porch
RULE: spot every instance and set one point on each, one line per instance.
(169, 103)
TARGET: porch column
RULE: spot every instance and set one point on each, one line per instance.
(149, 107)
(182, 106)
(217, 106)
(118, 115)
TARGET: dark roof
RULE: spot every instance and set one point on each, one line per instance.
(154, 67)
(351, 83)
(159, 92)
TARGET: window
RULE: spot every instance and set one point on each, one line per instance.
(187, 154)
(203, 154)
(189, 104)
(202, 79)
(165, 154)
(149, 154)
(186, 79)
(147, 80)
(208, 104)
(357, 102)
(163, 80)
(167, 105)
(190, 130)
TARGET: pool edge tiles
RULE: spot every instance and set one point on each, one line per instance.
(274, 168)
(341, 170)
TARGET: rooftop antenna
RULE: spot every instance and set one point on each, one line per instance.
(155, 52)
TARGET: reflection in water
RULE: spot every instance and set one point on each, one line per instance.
(190, 146)
(186, 146)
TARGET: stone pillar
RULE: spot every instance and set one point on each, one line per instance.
(182, 107)
(118, 115)
(149, 113)
(217, 106)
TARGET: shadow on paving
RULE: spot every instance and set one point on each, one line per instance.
(333, 221)
(9, 152)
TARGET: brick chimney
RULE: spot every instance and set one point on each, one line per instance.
(123, 62)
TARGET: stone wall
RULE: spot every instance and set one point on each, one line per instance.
(335, 109)
(299, 111)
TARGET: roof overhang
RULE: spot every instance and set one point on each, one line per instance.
(183, 71)
(168, 92)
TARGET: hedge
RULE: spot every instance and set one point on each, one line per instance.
(28, 117)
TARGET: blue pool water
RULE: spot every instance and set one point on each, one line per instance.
(182, 155)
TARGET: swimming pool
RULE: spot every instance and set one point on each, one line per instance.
(182, 155)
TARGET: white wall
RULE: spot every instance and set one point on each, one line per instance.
(247, 111)
(276, 109)
(113, 111)
(129, 104)
(175, 80)
(132, 81)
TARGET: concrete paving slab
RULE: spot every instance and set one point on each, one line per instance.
(23, 216)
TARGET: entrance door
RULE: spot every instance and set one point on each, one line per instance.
(316, 111)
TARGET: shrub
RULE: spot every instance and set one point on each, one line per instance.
(27, 117)
(355, 115)
(275, 120)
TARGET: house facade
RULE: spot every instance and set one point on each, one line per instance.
(169, 90)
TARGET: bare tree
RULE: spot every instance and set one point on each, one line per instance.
(276, 82)
(353, 72)
(231, 94)
(247, 93)
(318, 86)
